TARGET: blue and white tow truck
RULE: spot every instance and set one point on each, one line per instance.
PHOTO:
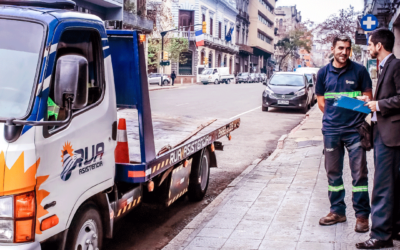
(64, 82)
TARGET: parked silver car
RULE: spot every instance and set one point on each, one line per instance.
(158, 78)
(243, 77)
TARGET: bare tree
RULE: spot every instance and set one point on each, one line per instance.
(343, 23)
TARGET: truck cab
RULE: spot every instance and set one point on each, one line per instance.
(61, 183)
(216, 75)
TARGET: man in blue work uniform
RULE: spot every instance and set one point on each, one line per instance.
(338, 78)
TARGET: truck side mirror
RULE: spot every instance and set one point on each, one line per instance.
(72, 75)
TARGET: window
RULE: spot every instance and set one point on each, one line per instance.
(210, 60)
(219, 30)
(237, 35)
(265, 21)
(225, 30)
(186, 19)
(85, 43)
(267, 5)
(202, 58)
(203, 17)
(211, 26)
(219, 61)
(185, 67)
(264, 38)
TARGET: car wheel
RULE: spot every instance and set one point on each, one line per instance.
(165, 82)
(216, 81)
(228, 81)
(264, 108)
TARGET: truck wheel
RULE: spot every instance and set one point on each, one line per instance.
(85, 231)
(216, 81)
(165, 82)
(228, 81)
(199, 176)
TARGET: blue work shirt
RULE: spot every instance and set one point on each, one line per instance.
(351, 81)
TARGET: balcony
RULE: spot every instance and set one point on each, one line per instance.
(244, 15)
(245, 49)
(211, 41)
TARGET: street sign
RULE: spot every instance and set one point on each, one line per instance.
(369, 22)
(164, 63)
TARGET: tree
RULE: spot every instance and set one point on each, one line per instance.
(174, 47)
(296, 39)
(343, 23)
(357, 52)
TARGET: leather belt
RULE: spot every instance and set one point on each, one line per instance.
(374, 123)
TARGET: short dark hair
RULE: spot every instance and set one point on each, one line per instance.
(385, 37)
(341, 38)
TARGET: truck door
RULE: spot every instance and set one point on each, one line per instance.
(77, 159)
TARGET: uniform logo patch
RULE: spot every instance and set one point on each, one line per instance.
(329, 149)
(349, 82)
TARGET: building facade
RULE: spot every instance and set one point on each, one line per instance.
(261, 34)
(220, 17)
(287, 18)
(242, 60)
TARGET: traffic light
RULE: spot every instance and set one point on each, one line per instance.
(204, 27)
(205, 60)
(165, 57)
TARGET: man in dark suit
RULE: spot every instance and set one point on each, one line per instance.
(386, 133)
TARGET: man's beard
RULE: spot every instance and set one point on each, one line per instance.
(338, 58)
(373, 54)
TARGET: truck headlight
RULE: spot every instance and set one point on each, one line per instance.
(6, 230)
(6, 207)
(300, 92)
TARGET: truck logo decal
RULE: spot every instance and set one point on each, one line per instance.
(71, 159)
(189, 149)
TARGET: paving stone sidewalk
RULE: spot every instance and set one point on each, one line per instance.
(277, 203)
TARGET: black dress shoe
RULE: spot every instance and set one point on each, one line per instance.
(375, 244)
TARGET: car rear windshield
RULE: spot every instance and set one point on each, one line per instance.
(20, 45)
(287, 80)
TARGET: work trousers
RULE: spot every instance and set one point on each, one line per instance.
(385, 195)
(173, 80)
(334, 156)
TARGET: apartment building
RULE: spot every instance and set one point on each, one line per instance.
(242, 60)
(218, 51)
(287, 18)
(261, 33)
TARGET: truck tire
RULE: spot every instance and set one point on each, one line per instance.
(228, 81)
(216, 81)
(86, 229)
(199, 176)
(165, 82)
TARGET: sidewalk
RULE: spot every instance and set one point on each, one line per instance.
(277, 203)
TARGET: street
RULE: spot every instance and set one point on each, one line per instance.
(151, 226)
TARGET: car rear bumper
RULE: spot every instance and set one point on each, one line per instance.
(294, 103)
(26, 246)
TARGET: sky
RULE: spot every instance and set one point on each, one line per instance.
(319, 10)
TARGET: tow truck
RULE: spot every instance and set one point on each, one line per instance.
(69, 88)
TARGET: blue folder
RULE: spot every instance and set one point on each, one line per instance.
(352, 104)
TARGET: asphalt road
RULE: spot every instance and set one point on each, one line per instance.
(151, 226)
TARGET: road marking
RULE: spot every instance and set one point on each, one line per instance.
(245, 112)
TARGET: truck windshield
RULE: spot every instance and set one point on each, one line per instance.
(207, 72)
(20, 44)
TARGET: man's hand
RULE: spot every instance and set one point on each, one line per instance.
(363, 98)
(371, 105)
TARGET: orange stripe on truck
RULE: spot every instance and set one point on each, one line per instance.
(135, 174)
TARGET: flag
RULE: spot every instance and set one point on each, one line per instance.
(199, 38)
(228, 37)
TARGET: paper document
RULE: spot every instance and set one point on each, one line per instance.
(352, 104)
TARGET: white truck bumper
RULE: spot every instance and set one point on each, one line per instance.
(22, 246)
